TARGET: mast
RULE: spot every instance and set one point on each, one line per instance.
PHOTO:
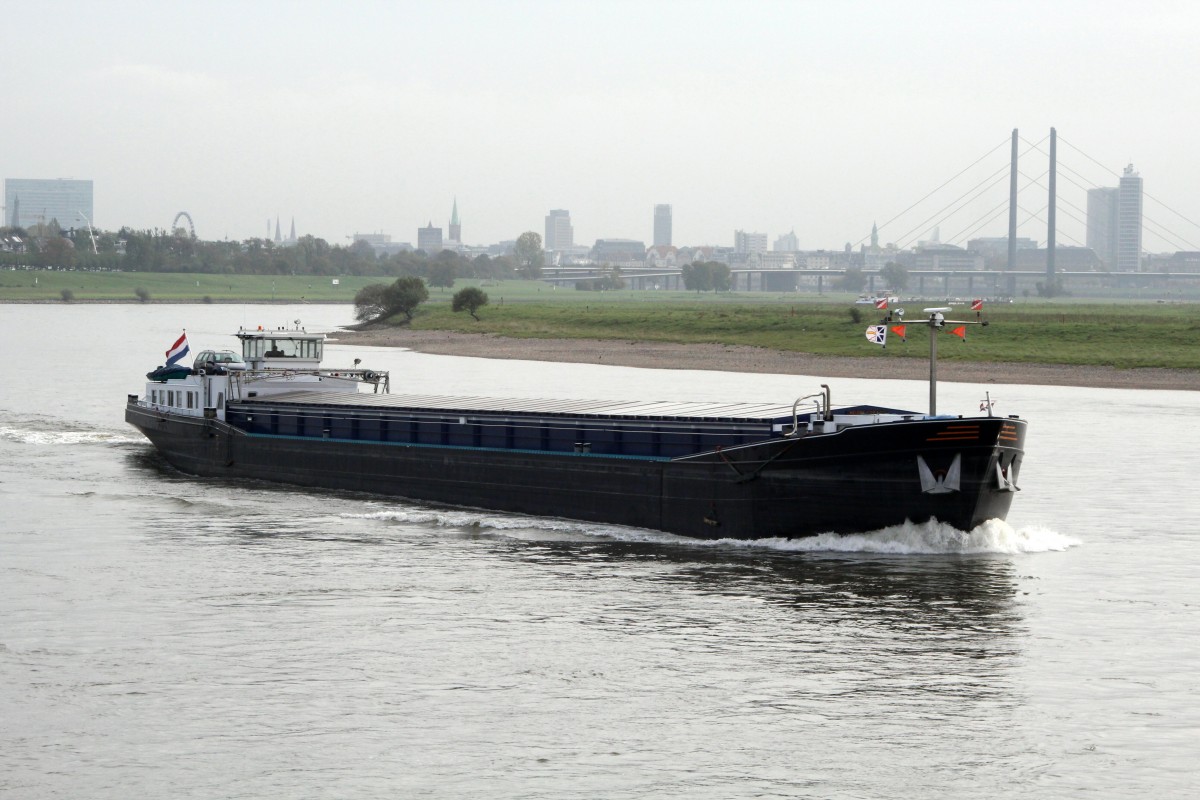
(1012, 206)
(1050, 215)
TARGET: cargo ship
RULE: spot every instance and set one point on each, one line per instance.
(699, 469)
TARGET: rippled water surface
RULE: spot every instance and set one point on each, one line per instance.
(162, 635)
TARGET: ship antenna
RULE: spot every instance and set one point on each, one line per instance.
(937, 320)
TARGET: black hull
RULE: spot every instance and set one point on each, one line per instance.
(861, 478)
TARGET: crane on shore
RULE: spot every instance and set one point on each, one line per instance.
(91, 233)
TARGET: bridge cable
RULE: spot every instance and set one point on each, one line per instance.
(938, 189)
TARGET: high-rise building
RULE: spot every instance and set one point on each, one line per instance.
(31, 201)
(1114, 223)
(1129, 222)
(1102, 224)
(559, 233)
(744, 242)
(787, 243)
(429, 239)
(455, 227)
(662, 225)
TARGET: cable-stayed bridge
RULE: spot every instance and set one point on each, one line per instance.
(1013, 221)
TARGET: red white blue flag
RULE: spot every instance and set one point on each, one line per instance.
(178, 350)
(877, 334)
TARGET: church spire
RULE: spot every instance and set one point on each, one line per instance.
(874, 236)
(455, 227)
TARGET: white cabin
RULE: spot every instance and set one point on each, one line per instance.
(273, 362)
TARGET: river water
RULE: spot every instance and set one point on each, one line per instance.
(162, 635)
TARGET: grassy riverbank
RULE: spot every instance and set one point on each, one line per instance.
(33, 286)
(1123, 335)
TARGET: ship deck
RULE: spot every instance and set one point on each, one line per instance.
(638, 428)
(699, 411)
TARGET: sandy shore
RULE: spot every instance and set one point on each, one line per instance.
(659, 355)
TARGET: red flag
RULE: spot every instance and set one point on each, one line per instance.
(977, 305)
(899, 330)
(960, 331)
(881, 303)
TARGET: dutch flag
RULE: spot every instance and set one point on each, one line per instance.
(178, 350)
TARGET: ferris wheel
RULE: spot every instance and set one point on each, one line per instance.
(188, 217)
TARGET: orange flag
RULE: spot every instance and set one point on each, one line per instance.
(899, 330)
(960, 331)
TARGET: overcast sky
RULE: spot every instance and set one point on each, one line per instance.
(822, 117)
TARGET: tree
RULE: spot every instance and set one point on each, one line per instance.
(470, 299)
(853, 280)
(378, 301)
(530, 256)
(697, 276)
(405, 295)
(442, 271)
(721, 277)
(57, 251)
(370, 302)
(895, 275)
(704, 276)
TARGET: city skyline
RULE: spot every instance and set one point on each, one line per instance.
(859, 112)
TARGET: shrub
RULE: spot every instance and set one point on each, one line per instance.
(470, 299)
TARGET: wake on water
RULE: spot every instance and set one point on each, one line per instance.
(927, 538)
(38, 430)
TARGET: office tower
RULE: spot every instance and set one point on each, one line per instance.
(1114, 223)
(744, 242)
(1129, 222)
(31, 201)
(662, 225)
(1102, 224)
(787, 243)
(559, 233)
(429, 239)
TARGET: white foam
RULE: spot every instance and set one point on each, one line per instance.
(51, 437)
(933, 537)
(927, 538)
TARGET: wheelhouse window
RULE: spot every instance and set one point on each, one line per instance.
(281, 347)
